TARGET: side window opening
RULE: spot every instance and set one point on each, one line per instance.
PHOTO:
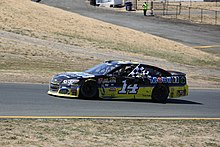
(124, 71)
(153, 72)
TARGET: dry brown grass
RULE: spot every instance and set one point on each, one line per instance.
(21, 60)
(35, 20)
(81, 132)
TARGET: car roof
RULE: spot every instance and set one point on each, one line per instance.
(120, 62)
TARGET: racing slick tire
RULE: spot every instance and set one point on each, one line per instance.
(89, 90)
(160, 93)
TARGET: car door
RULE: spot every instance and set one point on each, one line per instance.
(127, 85)
(141, 83)
(116, 84)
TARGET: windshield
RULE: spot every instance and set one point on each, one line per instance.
(102, 69)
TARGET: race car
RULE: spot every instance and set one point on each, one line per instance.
(120, 80)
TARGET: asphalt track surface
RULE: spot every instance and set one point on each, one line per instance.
(186, 33)
(32, 100)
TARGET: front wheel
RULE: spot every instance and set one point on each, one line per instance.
(89, 89)
(160, 93)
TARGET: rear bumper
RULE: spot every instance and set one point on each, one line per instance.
(178, 91)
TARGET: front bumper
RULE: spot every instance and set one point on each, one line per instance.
(64, 91)
(60, 95)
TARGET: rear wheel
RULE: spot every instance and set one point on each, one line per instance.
(160, 93)
(89, 89)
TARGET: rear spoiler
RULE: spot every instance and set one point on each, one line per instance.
(176, 73)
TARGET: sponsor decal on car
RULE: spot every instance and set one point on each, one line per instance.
(128, 89)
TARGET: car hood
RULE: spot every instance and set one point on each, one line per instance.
(71, 75)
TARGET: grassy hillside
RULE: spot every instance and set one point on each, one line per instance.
(39, 21)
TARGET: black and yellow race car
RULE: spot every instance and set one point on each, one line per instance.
(120, 80)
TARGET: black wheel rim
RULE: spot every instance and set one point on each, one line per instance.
(89, 89)
(160, 93)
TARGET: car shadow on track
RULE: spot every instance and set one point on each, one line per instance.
(169, 101)
(179, 101)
